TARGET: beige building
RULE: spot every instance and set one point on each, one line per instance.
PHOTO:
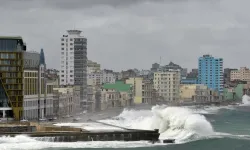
(242, 74)
(142, 90)
(66, 101)
(168, 84)
(188, 91)
(93, 66)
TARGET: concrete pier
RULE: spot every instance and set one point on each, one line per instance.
(69, 134)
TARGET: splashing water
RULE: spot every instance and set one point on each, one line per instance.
(246, 100)
(178, 123)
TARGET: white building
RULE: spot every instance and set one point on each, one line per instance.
(98, 78)
(74, 61)
(108, 76)
(168, 84)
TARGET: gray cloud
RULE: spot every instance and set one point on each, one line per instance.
(126, 34)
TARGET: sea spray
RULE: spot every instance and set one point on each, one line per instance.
(179, 123)
(246, 100)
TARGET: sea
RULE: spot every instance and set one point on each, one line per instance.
(193, 128)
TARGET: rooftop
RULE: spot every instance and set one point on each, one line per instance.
(11, 37)
(118, 85)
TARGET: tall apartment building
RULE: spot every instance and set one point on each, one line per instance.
(210, 72)
(243, 74)
(168, 84)
(142, 90)
(74, 62)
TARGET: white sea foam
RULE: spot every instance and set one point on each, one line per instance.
(28, 143)
(245, 100)
(181, 123)
(178, 123)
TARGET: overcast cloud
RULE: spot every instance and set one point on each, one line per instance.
(126, 34)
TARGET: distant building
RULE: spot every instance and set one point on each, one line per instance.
(66, 101)
(188, 91)
(186, 80)
(167, 84)
(193, 74)
(117, 94)
(211, 72)
(108, 76)
(227, 76)
(155, 67)
(93, 67)
(101, 77)
(142, 89)
(173, 66)
(128, 74)
(243, 74)
(74, 62)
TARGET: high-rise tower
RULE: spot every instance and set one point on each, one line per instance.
(74, 62)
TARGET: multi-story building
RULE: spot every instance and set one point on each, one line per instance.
(74, 62)
(227, 76)
(188, 91)
(155, 67)
(116, 94)
(98, 78)
(108, 76)
(11, 76)
(168, 84)
(66, 101)
(35, 100)
(211, 72)
(128, 74)
(243, 74)
(142, 90)
(173, 66)
(93, 67)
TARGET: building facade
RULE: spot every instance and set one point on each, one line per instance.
(188, 91)
(74, 62)
(142, 90)
(11, 77)
(66, 101)
(168, 84)
(243, 74)
(116, 94)
(210, 72)
(93, 67)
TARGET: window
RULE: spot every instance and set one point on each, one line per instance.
(62, 53)
(71, 48)
(71, 71)
(62, 71)
(62, 48)
(62, 75)
(62, 39)
(62, 80)
(62, 43)
(71, 43)
(71, 39)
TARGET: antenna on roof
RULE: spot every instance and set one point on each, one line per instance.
(160, 60)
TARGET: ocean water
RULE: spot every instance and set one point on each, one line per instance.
(206, 128)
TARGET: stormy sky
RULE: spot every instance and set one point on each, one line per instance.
(126, 34)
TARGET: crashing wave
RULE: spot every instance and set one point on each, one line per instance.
(178, 123)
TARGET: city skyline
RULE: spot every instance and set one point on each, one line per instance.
(118, 30)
